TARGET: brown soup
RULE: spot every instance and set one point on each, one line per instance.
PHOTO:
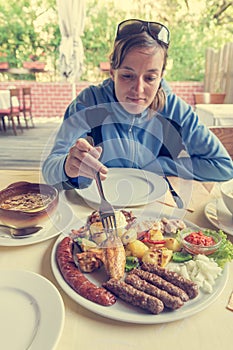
(26, 202)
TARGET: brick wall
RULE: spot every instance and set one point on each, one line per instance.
(186, 89)
(51, 99)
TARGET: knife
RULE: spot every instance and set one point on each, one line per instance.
(175, 196)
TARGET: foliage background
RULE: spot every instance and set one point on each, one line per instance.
(31, 27)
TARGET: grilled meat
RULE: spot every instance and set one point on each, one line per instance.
(188, 286)
(134, 296)
(161, 283)
(170, 301)
(112, 255)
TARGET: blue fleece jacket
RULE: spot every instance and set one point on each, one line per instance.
(171, 142)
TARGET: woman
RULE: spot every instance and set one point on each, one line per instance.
(135, 120)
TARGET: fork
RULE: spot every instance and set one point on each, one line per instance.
(106, 210)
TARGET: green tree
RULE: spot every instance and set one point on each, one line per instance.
(194, 25)
(100, 26)
(20, 34)
(31, 27)
(194, 29)
(16, 30)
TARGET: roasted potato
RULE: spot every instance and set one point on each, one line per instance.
(166, 256)
(87, 244)
(129, 236)
(173, 244)
(156, 235)
(152, 256)
(96, 227)
(137, 248)
(99, 237)
(157, 257)
(120, 222)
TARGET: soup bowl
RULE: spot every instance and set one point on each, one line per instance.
(25, 204)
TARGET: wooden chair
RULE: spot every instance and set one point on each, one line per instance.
(208, 97)
(26, 106)
(2, 124)
(225, 135)
(13, 111)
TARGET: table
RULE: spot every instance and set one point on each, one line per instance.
(9, 100)
(5, 100)
(210, 329)
(215, 114)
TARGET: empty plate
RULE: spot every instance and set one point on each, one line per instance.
(127, 187)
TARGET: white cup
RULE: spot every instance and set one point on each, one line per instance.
(227, 194)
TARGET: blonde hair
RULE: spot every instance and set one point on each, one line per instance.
(141, 40)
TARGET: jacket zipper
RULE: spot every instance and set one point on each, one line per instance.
(131, 138)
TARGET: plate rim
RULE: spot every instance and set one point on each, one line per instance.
(33, 279)
(149, 319)
(10, 242)
(150, 198)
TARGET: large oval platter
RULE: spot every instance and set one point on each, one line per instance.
(122, 311)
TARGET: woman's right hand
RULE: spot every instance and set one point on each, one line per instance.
(82, 160)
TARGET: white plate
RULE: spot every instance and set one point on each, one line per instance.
(219, 216)
(28, 303)
(56, 224)
(124, 312)
(126, 187)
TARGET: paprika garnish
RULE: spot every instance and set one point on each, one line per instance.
(198, 238)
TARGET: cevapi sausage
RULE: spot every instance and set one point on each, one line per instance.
(161, 283)
(188, 286)
(76, 279)
(134, 296)
(170, 301)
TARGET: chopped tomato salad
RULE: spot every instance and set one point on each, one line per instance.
(198, 238)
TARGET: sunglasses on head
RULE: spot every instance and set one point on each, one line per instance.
(135, 26)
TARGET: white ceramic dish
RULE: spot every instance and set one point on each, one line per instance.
(127, 188)
(219, 216)
(28, 303)
(57, 223)
(227, 194)
(122, 311)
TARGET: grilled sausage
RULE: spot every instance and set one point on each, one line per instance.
(188, 286)
(170, 301)
(133, 296)
(76, 279)
(161, 283)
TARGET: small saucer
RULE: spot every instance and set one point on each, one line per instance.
(219, 216)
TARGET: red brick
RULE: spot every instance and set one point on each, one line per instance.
(51, 99)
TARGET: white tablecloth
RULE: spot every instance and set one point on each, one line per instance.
(215, 114)
(5, 99)
(208, 329)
